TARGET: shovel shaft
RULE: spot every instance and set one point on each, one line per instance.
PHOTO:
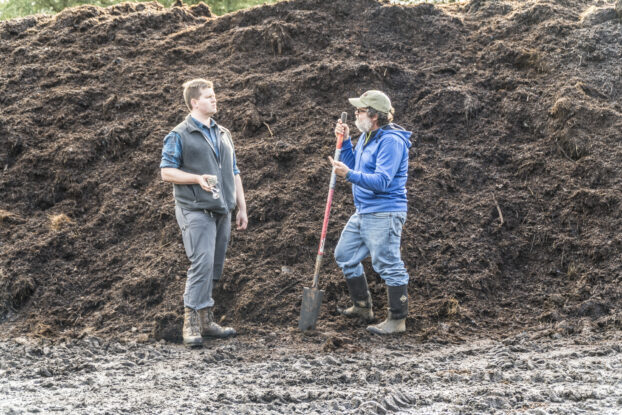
(320, 253)
(329, 202)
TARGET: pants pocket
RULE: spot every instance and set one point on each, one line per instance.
(184, 225)
(397, 223)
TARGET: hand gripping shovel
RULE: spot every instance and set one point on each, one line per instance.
(312, 297)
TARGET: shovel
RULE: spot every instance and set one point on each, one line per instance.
(312, 297)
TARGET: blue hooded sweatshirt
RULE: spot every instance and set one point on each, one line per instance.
(379, 170)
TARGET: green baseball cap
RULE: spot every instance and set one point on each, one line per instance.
(375, 99)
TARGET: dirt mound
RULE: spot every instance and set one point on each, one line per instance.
(515, 186)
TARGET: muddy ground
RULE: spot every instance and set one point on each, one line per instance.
(515, 184)
(530, 373)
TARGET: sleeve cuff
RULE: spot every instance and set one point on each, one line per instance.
(166, 164)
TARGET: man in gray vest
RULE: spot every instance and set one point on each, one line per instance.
(199, 159)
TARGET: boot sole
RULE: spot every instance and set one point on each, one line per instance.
(374, 330)
(216, 336)
(193, 345)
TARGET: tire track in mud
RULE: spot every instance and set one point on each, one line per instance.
(524, 374)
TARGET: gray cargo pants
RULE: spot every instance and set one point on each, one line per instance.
(205, 236)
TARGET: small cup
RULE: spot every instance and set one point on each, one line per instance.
(212, 181)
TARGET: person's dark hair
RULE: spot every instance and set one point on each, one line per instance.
(383, 119)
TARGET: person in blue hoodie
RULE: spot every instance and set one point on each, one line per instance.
(378, 169)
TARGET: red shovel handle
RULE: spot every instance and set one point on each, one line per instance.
(329, 201)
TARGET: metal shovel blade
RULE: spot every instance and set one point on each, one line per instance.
(310, 309)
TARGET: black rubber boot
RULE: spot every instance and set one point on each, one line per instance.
(359, 293)
(398, 310)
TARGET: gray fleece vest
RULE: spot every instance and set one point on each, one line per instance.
(198, 157)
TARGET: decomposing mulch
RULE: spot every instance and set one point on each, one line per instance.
(515, 185)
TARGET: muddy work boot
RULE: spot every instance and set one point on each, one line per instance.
(209, 328)
(361, 298)
(398, 310)
(191, 331)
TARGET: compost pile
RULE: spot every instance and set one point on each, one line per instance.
(515, 184)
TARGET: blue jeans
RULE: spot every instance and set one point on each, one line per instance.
(376, 234)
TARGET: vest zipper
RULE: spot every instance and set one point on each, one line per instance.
(219, 160)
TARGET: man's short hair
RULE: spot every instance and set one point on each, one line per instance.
(192, 90)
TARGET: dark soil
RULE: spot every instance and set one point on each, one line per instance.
(515, 184)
